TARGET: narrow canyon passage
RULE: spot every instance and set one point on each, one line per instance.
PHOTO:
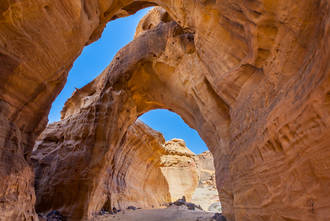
(252, 77)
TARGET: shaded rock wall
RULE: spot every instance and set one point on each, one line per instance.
(132, 176)
(144, 172)
(253, 80)
(135, 174)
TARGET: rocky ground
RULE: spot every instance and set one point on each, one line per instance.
(177, 211)
(206, 193)
(171, 213)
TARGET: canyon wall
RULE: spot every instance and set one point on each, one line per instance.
(206, 194)
(179, 168)
(132, 176)
(135, 174)
(144, 172)
(252, 77)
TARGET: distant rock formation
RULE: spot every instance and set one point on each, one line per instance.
(206, 194)
(179, 169)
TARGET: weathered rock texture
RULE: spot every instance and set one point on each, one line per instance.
(144, 172)
(132, 177)
(135, 171)
(206, 194)
(205, 168)
(179, 168)
(251, 76)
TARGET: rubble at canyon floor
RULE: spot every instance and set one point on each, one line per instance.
(172, 214)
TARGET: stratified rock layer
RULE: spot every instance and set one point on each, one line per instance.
(251, 76)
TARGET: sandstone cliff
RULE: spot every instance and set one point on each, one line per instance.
(251, 76)
(179, 169)
(206, 194)
(132, 176)
(144, 172)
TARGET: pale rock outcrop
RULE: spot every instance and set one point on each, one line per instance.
(251, 76)
(206, 194)
(179, 169)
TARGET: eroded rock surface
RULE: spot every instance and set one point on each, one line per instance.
(206, 194)
(132, 176)
(179, 168)
(251, 76)
(128, 100)
(145, 172)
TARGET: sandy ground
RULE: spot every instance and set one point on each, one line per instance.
(172, 214)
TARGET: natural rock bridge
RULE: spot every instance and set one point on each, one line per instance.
(252, 77)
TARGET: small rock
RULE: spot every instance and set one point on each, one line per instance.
(132, 208)
(180, 202)
(55, 216)
(219, 217)
(103, 212)
(191, 206)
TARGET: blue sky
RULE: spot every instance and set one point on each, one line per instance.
(97, 56)
(172, 126)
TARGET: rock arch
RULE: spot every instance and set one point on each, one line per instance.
(266, 60)
(159, 69)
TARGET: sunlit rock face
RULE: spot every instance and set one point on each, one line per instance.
(206, 194)
(179, 168)
(251, 76)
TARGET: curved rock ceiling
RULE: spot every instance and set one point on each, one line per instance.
(252, 77)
